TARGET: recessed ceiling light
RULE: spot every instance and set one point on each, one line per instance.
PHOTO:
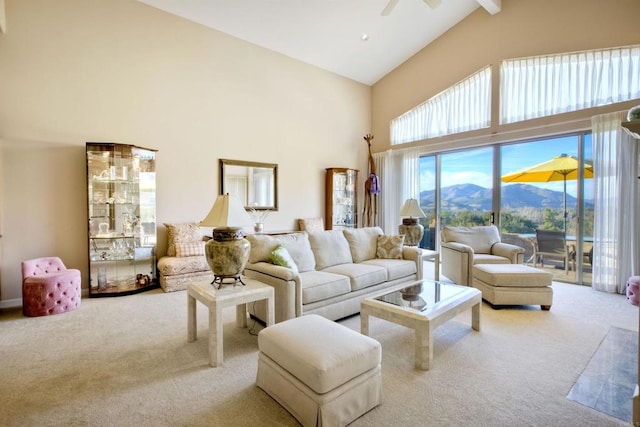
(364, 37)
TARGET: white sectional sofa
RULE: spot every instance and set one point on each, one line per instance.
(334, 270)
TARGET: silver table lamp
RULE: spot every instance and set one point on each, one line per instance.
(410, 227)
(228, 252)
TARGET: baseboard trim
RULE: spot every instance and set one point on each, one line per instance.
(11, 303)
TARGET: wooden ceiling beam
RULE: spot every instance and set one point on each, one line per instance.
(491, 6)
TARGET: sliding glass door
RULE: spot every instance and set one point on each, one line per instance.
(542, 184)
(428, 201)
(466, 187)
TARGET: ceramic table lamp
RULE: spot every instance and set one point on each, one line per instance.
(228, 252)
(410, 227)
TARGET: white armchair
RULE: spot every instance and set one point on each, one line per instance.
(462, 247)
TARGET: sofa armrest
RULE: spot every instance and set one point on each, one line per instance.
(286, 284)
(514, 253)
(456, 260)
(412, 253)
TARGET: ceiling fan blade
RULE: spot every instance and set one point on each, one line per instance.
(432, 3)
(387, 10)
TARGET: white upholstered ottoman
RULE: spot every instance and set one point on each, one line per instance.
(513, 284)
(323, 373)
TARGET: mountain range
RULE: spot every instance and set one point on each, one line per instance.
(515, 196)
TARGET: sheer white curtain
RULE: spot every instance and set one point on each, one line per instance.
(399, 172)
(386, 198)
(545, 85)
(462, 107)
(616, 232)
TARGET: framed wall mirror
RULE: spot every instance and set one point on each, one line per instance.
(254, 183)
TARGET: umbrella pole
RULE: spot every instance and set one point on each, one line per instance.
(565, 205)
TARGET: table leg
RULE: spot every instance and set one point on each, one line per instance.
(271, 312)
(241, 315)
(475, 317)
(364, 322)
(424, 347)
(436, 266)
(215, 335)
(192, 327)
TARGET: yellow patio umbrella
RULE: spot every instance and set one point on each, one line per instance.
(559, 168)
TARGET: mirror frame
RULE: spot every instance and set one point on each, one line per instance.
(273, 166)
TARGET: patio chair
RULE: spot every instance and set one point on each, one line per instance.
(552, 244)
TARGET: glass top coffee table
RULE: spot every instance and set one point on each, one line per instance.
(422, 306)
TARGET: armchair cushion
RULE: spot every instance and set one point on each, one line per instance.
(480, 238)
(181, 233)
(189, 249)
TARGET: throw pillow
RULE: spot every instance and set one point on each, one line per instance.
(280, 256)
(363, 242)
(181, 233)
(330, 248)
(189, 249)
(390, 247)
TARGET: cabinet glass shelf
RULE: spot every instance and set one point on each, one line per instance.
(341, 210)
(121, 209)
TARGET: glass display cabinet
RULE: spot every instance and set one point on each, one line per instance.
(121, 204)
(341, 200)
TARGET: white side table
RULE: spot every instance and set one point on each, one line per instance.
(216, 300)
(426, 255)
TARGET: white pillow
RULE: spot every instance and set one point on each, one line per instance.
(330, 248)
(363, 242)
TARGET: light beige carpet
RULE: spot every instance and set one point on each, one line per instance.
(126, 362)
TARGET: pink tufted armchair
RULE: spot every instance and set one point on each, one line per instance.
(48, 287)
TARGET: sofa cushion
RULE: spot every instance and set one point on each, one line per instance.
(363, 242)
(490, 259)
(280, 256)
(396, 268)
(297, 244)
(187, 232)
(360, 275)
(330, 248)
(389, 247)
(321, 285)
(480, 238)
(261, 247)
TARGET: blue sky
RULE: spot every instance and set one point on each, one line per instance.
(475, 166)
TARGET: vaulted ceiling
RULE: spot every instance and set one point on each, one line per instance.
(351, 38)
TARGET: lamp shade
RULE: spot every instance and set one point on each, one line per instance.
(411, 208)
(227, 211)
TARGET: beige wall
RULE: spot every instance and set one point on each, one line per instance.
(73, 71)
(522, 28)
